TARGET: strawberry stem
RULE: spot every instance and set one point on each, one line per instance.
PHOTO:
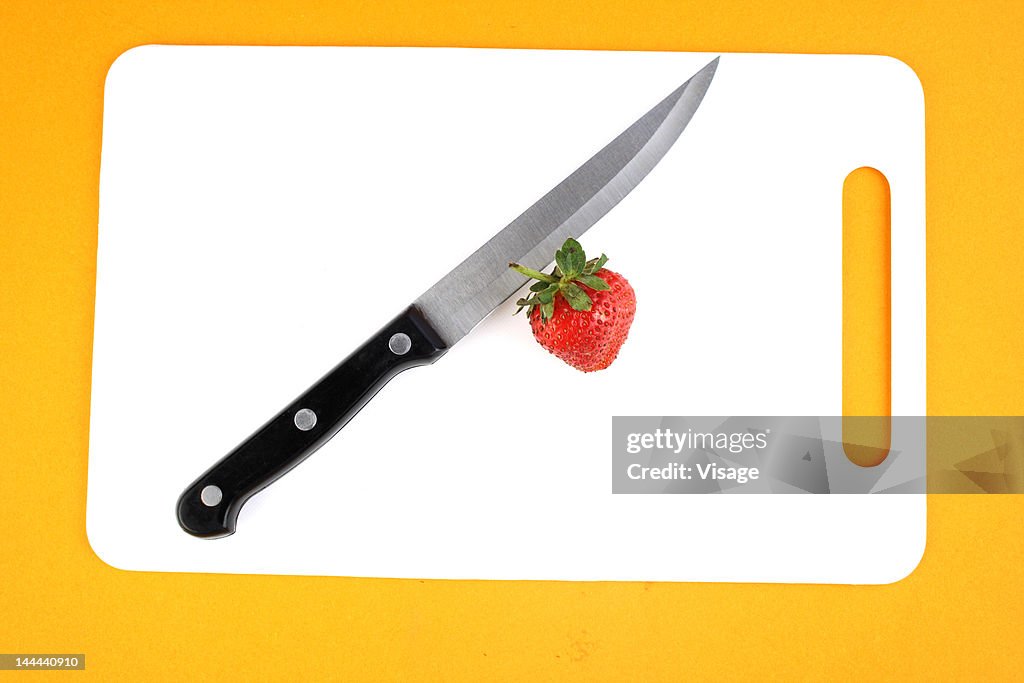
(531, 273)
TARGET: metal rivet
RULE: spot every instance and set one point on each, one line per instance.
(211, 495)
(400, 344)
(305, 419)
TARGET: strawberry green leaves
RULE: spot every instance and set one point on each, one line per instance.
(595, 265)
(572, 276)
(570, 259)
(594, 282)
(577, 298)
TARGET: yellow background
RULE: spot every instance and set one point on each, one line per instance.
(958, 614)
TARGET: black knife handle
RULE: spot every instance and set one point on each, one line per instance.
(209, 506)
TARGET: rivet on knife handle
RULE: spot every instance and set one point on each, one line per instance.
(209, 507)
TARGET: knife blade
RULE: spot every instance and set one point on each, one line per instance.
(441, 316)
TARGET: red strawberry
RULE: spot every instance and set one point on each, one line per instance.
(581, 311)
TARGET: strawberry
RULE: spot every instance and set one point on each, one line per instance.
(581, 311)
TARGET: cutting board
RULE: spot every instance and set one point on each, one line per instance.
(263, 210)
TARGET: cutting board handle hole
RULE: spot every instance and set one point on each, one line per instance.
(867, 316)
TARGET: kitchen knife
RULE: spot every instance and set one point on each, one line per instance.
(442, 316)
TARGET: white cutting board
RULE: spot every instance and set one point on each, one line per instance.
(264, 210)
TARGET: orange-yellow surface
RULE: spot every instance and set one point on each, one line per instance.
(959, 614)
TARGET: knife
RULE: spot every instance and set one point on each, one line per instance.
(439, 318)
